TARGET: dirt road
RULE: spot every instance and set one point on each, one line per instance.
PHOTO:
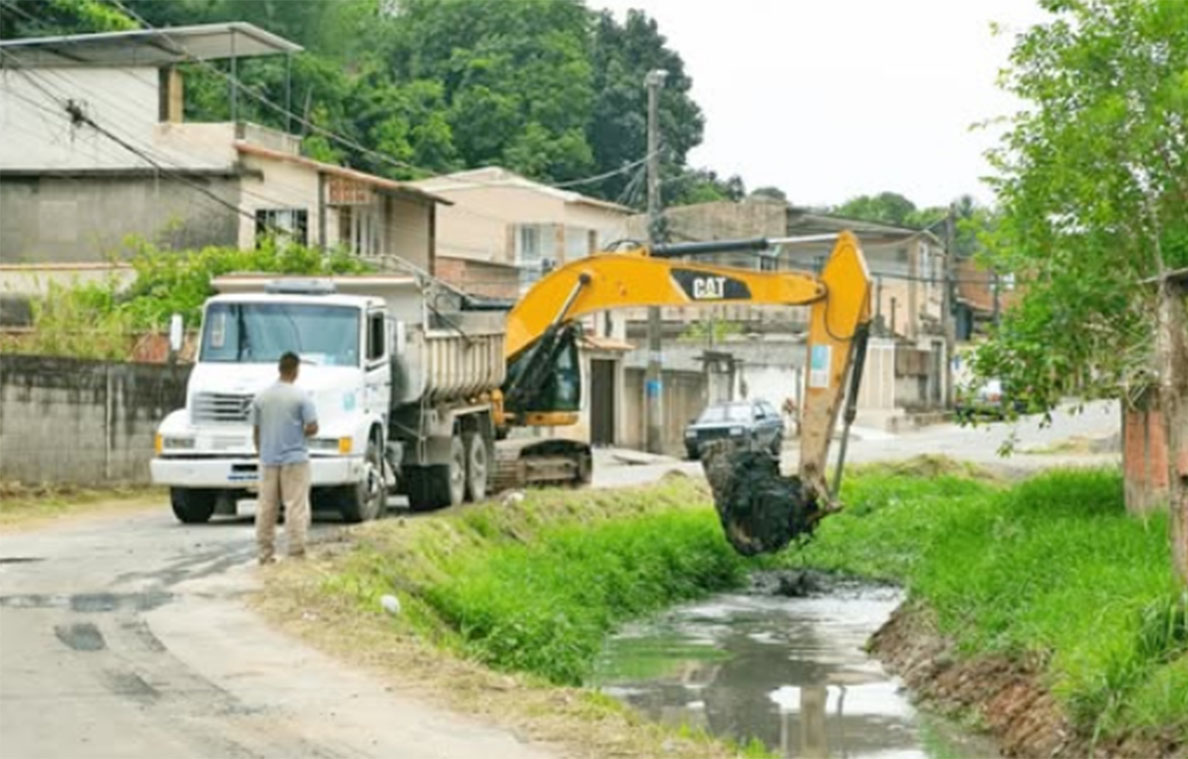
(127, 636)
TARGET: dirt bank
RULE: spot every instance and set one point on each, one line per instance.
(1005, 696)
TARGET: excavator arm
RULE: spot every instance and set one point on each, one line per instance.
(541, 328)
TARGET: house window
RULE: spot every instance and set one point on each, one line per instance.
(1008, 281)
(528, 244)
(289, 224)
(927, 270)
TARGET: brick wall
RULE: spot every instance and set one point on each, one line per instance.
(479, 277)
(1144, 455)
(80, 421)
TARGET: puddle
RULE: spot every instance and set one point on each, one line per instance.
(790, 672)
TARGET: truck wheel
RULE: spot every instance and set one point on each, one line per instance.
(192, 506)
(366, 499)
(476, 466)
(418, 486)
(451, 478)
(433, 487)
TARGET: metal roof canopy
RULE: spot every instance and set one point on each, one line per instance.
(146, 47)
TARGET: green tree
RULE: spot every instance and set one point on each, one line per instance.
(1093, 193)
(622, 55)
(885, 208)
(769, 191)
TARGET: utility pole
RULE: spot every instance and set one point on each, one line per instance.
(947, 302)
(653, 384)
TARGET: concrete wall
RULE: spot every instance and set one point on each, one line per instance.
(84, 218)
(85, 422)
(408, 230)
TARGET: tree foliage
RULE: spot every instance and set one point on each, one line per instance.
(1093, 193)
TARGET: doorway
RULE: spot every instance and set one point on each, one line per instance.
(602, 401)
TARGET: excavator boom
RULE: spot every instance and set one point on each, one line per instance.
(541, 328)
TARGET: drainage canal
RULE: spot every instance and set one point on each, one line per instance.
(790, 672)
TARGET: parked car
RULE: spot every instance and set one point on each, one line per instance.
(755, 422)
(990, 398)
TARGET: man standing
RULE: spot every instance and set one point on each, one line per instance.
(283, 417)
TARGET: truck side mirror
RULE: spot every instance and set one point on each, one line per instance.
(176, 333)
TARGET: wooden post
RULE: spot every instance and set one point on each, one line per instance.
(1172, 353)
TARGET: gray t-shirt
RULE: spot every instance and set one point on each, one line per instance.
(281, 412)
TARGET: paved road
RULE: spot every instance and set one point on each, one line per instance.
(126, 636)
(978, 444)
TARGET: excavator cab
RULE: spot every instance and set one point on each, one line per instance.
(544, 381)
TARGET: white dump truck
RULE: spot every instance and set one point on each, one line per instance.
(402, 378)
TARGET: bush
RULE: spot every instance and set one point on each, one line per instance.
(97, 320)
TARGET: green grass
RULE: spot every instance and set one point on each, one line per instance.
(1052, 567)
(537, 588)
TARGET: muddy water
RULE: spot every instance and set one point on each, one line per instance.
(789, 672)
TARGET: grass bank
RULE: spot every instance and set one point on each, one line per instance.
(1051, 569)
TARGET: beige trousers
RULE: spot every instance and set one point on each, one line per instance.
(288, 483)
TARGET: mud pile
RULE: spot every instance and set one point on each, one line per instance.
(761, 511)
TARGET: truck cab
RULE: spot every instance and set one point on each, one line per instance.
(205, 453)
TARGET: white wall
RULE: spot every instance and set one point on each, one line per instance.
(38, 133)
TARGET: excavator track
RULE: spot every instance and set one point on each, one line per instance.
(535, 462)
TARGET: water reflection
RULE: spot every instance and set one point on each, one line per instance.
(789, 672)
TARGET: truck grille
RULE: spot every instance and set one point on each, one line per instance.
(220, 408)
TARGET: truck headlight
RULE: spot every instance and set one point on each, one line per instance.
(341, 445)
(736, 430)
(178, 442)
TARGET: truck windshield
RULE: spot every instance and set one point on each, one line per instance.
(262, 332)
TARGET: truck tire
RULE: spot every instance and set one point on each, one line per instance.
(440, 485)
(477, 466)
(191, 505)
(418, 486)
(366, 499)
(451, 478)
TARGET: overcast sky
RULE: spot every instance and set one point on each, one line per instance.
(828, 99)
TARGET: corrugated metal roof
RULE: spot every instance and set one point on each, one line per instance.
(145, 47)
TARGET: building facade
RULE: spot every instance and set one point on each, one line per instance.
(96, 151)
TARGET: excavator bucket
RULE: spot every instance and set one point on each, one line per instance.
(761, 510)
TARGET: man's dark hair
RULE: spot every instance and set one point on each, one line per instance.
(288, 363)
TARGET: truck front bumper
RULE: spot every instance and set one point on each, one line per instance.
(234, 473)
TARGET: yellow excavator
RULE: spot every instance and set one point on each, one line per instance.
(760, 510)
